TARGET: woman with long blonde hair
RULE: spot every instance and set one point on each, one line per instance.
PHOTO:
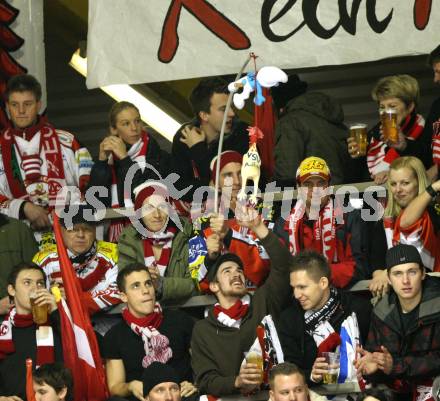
(404, 222)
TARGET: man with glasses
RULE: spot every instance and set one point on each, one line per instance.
(403, 346)
(317, 223)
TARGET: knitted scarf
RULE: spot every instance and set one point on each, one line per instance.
(89, 268)
(156, 345)
(324, 230)
(44, 337)
(17, 143)
(380, 156)
(137, 153)
(232, 316)
(318, 326)
(163, 239)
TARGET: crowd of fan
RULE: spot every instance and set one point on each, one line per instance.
(281, 279)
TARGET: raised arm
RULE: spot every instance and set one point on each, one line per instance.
(417, 206)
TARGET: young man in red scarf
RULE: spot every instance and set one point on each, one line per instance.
(20, 337)
(146, 335)
(239, 322)
(315, 222)
(221, 233)
(37, 160)
(94, 262)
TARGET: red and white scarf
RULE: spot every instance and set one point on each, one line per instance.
(380, 156)
(137, 153)
(44, 337)
(232, 316)
(49, 146)
(421, 234)
(324, 230)
(164, 240)
(156, 345)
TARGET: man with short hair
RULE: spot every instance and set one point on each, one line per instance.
(37, 159)
(403, 347)
(95, 262)
(20, 337)
(146, 334)
(321, 319)
(221, 232)
(196, 143)
(317, 222)
(287, 383)
(238, 322)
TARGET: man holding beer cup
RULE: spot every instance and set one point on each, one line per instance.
(238, 320)
(399, 132)
(318, 332)
(21, 337)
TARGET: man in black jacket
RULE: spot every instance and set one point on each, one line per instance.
(321, 319)
(196, 143)
(403, 347)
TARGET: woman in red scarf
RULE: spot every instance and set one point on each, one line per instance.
(127, 144)
(160, 241)
(401, 93)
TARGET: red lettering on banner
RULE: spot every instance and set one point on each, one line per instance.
(422, 12)
(209, 16)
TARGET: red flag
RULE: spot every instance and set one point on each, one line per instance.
(80, 347)
(30, 394)
(265, 120)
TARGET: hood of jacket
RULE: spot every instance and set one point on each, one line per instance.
(318, 104)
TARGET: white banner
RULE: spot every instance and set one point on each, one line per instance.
(137, 41)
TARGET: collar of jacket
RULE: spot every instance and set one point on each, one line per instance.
(387, 309)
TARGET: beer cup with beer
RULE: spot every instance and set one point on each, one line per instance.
(332, 359)
(390, 129)
(257, 359)
(39, 312)
(358, 132)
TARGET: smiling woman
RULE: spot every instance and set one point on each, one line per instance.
(127, 148)
(159, 244)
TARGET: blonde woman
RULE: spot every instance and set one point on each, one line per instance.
(401, 93)
(408, 219)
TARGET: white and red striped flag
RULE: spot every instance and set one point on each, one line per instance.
(80, 347)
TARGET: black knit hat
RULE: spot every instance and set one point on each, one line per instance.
(78, 214)
(158, 373)
(284, 92)
(227, 257)
(402, 253)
